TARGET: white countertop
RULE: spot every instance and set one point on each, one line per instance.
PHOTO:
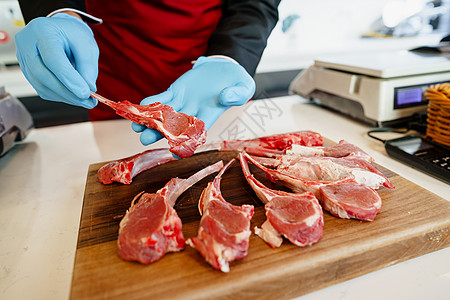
(42, 184)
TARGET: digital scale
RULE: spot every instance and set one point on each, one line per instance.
(380, 89)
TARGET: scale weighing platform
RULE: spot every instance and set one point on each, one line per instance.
(383, 88)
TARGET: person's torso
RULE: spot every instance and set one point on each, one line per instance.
(146, 45)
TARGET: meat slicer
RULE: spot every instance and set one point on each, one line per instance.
(15, 121)
(381, 89)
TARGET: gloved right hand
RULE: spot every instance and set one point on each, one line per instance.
(59, 57)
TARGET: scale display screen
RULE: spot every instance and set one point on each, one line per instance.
(409, 96)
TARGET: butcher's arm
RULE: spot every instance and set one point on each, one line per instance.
(241, 34)
(243, 31)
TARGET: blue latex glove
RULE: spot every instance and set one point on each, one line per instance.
(206, 91)
(59, 57)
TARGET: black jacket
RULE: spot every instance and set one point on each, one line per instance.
(241, 33)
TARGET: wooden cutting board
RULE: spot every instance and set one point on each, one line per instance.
(412, 222)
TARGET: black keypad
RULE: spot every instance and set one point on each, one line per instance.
(421, 154)
(443, 162)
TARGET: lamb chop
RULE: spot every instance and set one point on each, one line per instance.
(297, 217)
(124, 170)
(344, 198)
(184, 133)
(328, 168)
(224, 231)
(151, 227)
(277, 141)
(342, 149)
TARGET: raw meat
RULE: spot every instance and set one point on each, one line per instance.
(297, 217)
(344, 198)
(224, 231)
(341, 149)
(151, 227)
(278, 141)
(183, 133)
(124, 170)
(328, 168)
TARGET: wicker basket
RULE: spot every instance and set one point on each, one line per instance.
(438, 121)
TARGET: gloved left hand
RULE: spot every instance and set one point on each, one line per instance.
(59, 57)
(206, 91)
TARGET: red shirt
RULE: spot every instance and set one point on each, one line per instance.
(146, 45)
